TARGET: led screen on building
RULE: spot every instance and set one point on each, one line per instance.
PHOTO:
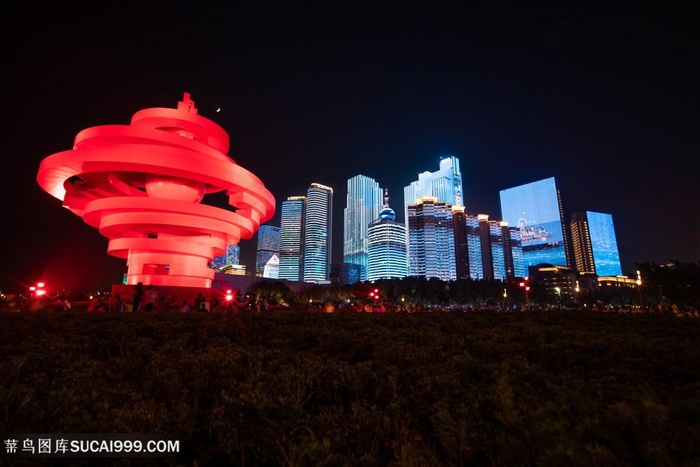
(603, 243)
(534, 209)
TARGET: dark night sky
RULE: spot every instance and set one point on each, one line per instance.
(605, 99)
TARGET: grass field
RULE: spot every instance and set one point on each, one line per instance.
(298, 388)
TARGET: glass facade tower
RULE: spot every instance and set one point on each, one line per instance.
(536, 209)
(364, 201)
(268, 246)
(431, 249)
(595, 245)
(232, 256)
(291, 238)
(386, 246)
(445, 185)
(317, 234)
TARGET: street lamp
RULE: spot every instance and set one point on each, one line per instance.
(505, 296)
(558, 290)
(639, 287)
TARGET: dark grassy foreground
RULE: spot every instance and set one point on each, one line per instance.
(292, 388)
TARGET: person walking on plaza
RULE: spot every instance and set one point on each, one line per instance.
(116, 304)
(137, 297)
(184, 307)
(198, 301)
(163, 304)
(150, 297)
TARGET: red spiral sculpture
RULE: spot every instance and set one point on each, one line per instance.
(141, 185)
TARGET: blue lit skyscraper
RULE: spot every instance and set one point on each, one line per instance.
(291, 238)
(364, 201)
(476, 264)
(536, 209)
(493, 248)
(459, 227)
(512, 251)
(386, 246)
(445, 185)
(268, 246)
(595, 245)
(232, 256)
(317, 234)
(431, 246)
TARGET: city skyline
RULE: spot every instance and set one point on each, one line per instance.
(602, 98)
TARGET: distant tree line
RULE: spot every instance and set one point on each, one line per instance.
(673, 282)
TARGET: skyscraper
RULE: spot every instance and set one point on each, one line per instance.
(272, 268)
(268, 246)
(476, 263)
(595, 245)
(431, 246)
(485, 244)
(317, 234)
(386, 246)
(581, 239)
(231, 257)
(445, 184)
(536, 209)
(459, 227)
(292, 238)
(512, 251)
(364, 201)
(493, 248)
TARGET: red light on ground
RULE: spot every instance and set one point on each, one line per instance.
(522, 284)
(32, 288)
(376, 290)
(40, 292)
(40, 284)
(371, 294)
(229, 297)
(527, 288)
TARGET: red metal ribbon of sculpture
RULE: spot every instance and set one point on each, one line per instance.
(142, 185)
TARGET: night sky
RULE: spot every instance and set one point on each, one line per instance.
(606, 100)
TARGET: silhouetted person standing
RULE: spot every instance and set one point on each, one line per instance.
(137, 297)
(150, 297)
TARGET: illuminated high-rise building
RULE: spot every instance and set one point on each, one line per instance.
(268, 246)
(345, 273)
(506, 252)
(473, 234)
(459, 227)
(431, 246)
(595, 245)
(581, 239)
(493, 248)
(231, 257)
(512, 251)
(386, 246)
(318, 225)
(292, 238)
(536, 209)
(445, 185)
(272, 268)
(364, 201)
(485, 245)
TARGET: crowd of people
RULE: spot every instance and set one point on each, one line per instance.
(148, 299)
